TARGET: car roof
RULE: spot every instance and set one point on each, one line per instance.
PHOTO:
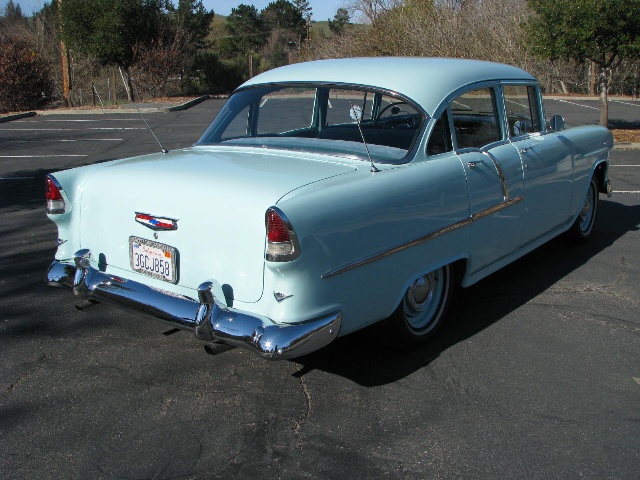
(428, 81)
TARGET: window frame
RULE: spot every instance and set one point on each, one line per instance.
(498, 101)
(539, 108)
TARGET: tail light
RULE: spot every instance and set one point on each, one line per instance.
(282, 241)
(55, 202)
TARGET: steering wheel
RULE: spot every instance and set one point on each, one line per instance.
(395, 109)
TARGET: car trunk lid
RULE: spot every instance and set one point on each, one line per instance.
(218, 198)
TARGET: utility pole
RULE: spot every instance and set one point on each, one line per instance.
(66, 78)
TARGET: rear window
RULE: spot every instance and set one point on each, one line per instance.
(336, 120)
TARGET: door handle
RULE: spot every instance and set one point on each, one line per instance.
(474, 163)
(525, 150)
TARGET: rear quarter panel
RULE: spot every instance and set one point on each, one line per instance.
(346, 220)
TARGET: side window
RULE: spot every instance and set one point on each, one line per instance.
(238, 126)
(523, 113)
(440, 138)
(475, 118)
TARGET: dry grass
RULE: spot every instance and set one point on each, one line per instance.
(625, 136)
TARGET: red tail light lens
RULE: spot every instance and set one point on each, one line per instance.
(282, 242)
(55, 201)
(276, 229)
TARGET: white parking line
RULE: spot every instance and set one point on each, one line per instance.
(40, 156)
(462, 105)
(67, 129)
(624, 165)
(92, 140)
(626, 103)
(72, 140)
(83, 120)
(579, 105)
(519, 104)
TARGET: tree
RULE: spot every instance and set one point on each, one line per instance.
(156, 62)
(109, 29)
(284, 16)
(287, 29)
(370, 9)
(339, 22)
(193, 22)
(302, 6)
(25, 80)
(13, 21)
(177, 45)
(605, 32)
(246, 31)
(13, 11)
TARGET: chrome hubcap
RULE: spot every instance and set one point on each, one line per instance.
(587, 211)
(422, 301)
(420, 293)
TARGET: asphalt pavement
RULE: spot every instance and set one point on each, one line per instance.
(536, 375)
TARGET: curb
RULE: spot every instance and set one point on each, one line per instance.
(626, 146)
(16, 116)
(186, 105)
(101, 111)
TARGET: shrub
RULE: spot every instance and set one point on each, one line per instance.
(218, 76)
(25, 76)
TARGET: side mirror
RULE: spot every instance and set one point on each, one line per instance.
(556, 123)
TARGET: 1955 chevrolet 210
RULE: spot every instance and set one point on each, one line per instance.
(330, 195)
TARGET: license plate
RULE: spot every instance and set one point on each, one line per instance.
(154, 259)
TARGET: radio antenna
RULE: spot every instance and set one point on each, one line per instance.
(357, 116)
(162, 149)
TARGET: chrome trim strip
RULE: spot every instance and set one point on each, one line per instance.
(503, 182)
(55, 182)
(496, 208)
(397, 248)
(210, 319)
(425, 238)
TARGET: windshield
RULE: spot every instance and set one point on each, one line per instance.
(319, 119)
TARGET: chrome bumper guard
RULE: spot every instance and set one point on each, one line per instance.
(209, 319)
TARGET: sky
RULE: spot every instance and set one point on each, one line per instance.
(321, 9)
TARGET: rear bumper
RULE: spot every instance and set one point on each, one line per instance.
(208, 318)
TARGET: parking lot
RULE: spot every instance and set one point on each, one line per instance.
(536, 374)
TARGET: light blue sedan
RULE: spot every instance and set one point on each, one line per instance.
(327, 196)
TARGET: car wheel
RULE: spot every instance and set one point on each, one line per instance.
(582, 228)
(423, 307)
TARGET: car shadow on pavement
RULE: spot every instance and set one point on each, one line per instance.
(364, 357)
(616, 123)
(23, 190)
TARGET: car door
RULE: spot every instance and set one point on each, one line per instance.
(494, 176)
(548, 165)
